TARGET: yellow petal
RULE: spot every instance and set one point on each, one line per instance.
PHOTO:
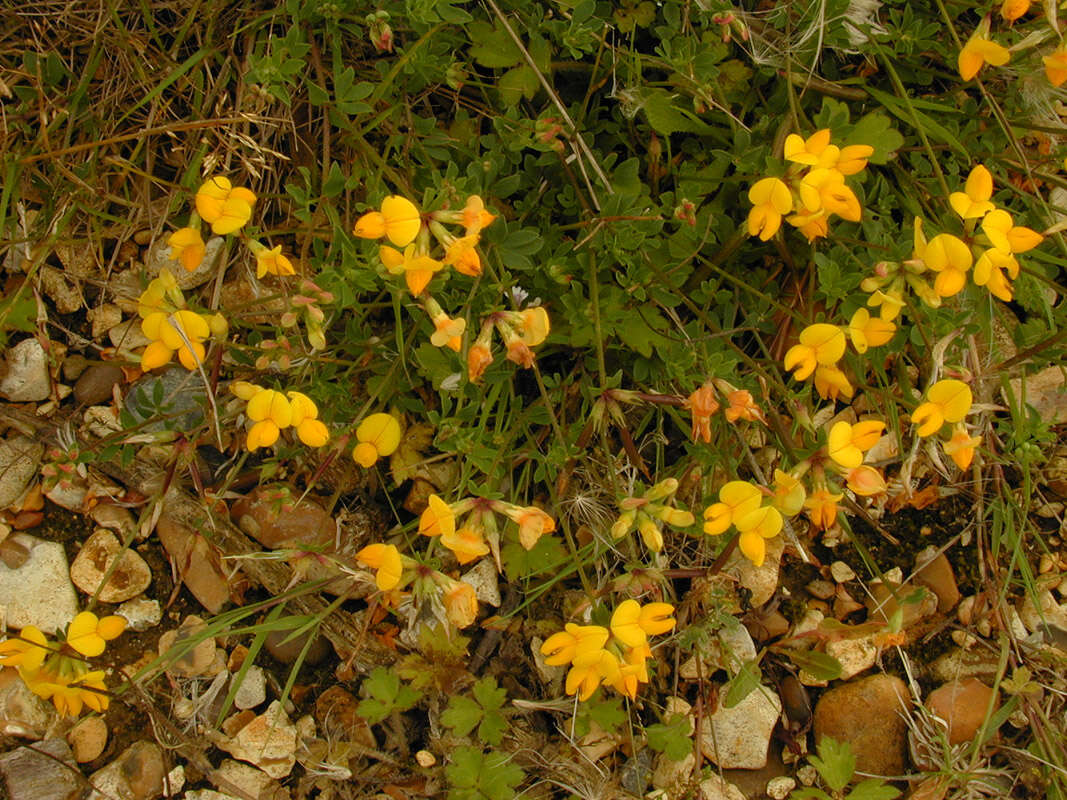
(82, 635)
(625, 624)
(381, 430)
(402, 220)
(953, 396)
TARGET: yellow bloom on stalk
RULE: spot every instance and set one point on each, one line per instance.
(789, 493)
(535, 326)
(866, 331)
(399, 221)
(448, 332)
(271, 411)
(187, 248)
(587, 673)
(816, 150)
(887, 302)
(437, 519)
(632, 623)
(831, 383)
(755, 528)
(89, 634)
(822, 508)
(273, 262)
(1004, 234)
(865, 481)
(947, 401)
(574, 641)
(989, 272)
(182, 332)
(978, 51)
(227, 208)
(27, 652)
(474, 216)
(853, 158)
(736, 499)
(1012, 10)
(467, 544)
(309, 428)
(461, 255)
(847, 443)
(461, 604)
(973, 202)
(378, 435)
(742, 406)
(960, 448)
(820, 344)
(771, 200)
(823, 188)
(417, 268)
(1056, 65)
(69, 694)
(950, 258)
(385, 559)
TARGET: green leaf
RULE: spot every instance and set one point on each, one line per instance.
(876, 130)
(385, 695)
(872, 789)
(493, 47)
(746, 681)
(488, 694)
(672, 738)
(665, 117)
(462, 715)
(835, 763)
(818, 665)
(517, 83)
(491, 731)
(915, 118)
(474, 775)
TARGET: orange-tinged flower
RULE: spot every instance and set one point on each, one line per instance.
(867, 331)
(847, 443)
(448, 332)
(460, 253)
(825, 188)
(386, 560)
(466, 543)
(370, 225)
(437, 519)
(989, 272)
(479, 358)
(947, 401)
(736, 498)
(226, 207)
(1056, 65)
(187, 248)
(960, 448)
(585, 676)
(1002, 231)
(789, 493)
(574, 641)
(973, 202)
(461, 604)
(831, 383)
(888, 303)
(820, 344)
(273, 262)
(1012, 10)
(822, 508)
(702, 404)
(742, 406)
(865, 481)
(475, 217)
(977, 52)
(771, 200)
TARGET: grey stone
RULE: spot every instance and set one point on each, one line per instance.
(253, 689)
(44, 772)
(738, 737)
(19, 458)
(174, 400)
(65, 293)
(23, 713)
(141, 613)
(27, 379)
(39, 591)
(95, 384)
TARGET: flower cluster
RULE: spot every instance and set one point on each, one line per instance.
(989, 242)
(57, 671)
(271, 412)
(822, 346)
(478, 534)
(741, 504)
(646, 513)
(378, 435)
(225, 207)
(703, 403)
(173, 328)
(520, 331)
(614, 656)
(948, 401)
(813, 187)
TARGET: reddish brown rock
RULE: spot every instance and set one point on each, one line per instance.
(273, 517)
(963, 706)
(868, 714)
(933, 571)
(197, 562)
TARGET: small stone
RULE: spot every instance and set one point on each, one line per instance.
(286, 650)
(113, 517)
(104, 317)
(26, 379)
(88, 738)
(141, 613)
(673, 776)
(958, 664)
(1045, 392)
(483, 578)
(137, 774)
(767, 624)
(962, 705)
(65, 293)
(1050, 612)
(127, 335)
(195, 659)
(717, 788)
(882, 603)
(19, 458)
(38, 592)
(731, 648)
(129, 578)
(824, 590)
(855, 655)
(933, 571)
(425, 759)
(761, 581)
(197, 562)
(23, 713)
(45, 772)
(268, 742)
(175, 781)
(253, 689)
(73, 366)
(273, 517)
(868, 715)
(95, 384)
(842, 572)
(246, 780)
(738, 737)
(779, 788)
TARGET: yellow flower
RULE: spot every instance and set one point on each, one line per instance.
(742, 406)
(386, 560)
(989, 272)
(69, 694)
(977, 51)
(226, 207)
(950, 258)
(399, 221)
(27, 652)
(478, 358)
(534, 325)
(272, 405)
(847, 443)
(573, 641)
(626, 624)
(755, 527)
(771, 200)
(866, 331)
(313, 432)
(187, 248)
(831, 383)
(736, 498)
(853, 158)
(378, 435)
(263, 434)
(947, 401)
(960, 448)
(418, 269)
(789, 493)
(973, 202)
(1012, 10)
(820, 344)
(823, 188)
(888, 303)
(182, 331)
(588, 672)
(474, 215)
(1002, 231)
(272, 261)
(88, 634)
(461, 604)
(811, 151)
(437, 519)
(822, 508)
(1056, 65)
(460, 253)
(448, 332)
(865, 481)
(466, 543)
(702, 404)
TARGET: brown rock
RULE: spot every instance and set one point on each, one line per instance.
(273, 516)
(933, 571)
(22, 713)
(129, 578)
(50, 774)
(137, 774)
(882, 604)
(868, 715)
(94, 385)
(287, 650)
(192, 650)
(197, 562)
(962, 705)
(88, 738)
(335, 711)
